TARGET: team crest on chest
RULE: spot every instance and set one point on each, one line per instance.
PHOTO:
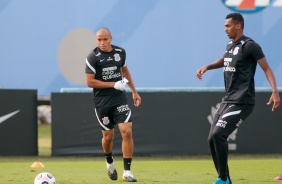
(235, 52)
(117, 57)
(106, 120)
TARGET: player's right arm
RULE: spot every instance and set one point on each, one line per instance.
(90, 72)
(94, 83)
(217, 64)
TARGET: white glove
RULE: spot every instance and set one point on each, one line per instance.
(120, 85)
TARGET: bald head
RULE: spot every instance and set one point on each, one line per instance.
(104, 38)
(103, 30)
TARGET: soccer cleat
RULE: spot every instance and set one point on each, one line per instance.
(220, 181)
(112, 172)
(128, 176)
(228, 181)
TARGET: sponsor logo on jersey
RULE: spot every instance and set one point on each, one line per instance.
(109, 59)
(250, 6)
(101, 60)
(117, 57)
(226, 63)
(110, 73)
(106, 120)
(109, 68)
(228, 59)
(229, 69)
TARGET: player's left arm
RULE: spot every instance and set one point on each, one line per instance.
(126, 73)
(274, 98)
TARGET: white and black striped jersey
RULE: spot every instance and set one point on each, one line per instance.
(240, 61)
(107, 67)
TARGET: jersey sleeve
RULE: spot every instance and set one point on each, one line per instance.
(90, 64)
(254, 50)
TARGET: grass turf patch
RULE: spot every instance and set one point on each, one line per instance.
(194, 169)
(92, 170)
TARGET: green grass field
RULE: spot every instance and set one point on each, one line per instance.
(251, 169)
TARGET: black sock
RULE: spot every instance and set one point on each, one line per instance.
(223, 178)
(109, 158)
(127, 163)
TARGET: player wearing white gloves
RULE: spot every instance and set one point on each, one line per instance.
(120, 85)
(107, 73)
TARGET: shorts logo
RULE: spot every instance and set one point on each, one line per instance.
(106, 120)
(221, 123)
(246, 6)
(123, 108)
(117, 57)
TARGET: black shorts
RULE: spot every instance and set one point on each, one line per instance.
(230, 116)
(108, 117)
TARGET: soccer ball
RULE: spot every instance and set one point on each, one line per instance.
(44, 178)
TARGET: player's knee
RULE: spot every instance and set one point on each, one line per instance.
(127, 133)
(108, 139)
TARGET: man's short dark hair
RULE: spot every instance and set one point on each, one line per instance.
(236, 18)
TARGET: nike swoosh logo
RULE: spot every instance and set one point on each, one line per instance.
(7, 116)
